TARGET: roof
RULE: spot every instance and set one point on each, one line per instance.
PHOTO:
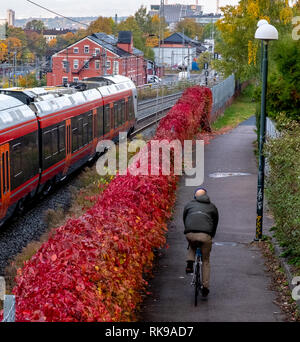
(178, 37)
(109, 42)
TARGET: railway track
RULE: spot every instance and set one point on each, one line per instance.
(19, 232)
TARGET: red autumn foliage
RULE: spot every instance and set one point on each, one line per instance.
(92, 268)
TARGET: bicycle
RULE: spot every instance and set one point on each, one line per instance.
(196, 281)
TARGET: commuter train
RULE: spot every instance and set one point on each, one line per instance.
(47, 133)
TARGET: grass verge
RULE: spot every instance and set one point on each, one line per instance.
(242, 109)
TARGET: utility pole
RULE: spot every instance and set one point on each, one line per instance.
(162, 17)
(14, 68)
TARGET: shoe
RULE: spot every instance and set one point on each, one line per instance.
(204, 291)
(189, 267)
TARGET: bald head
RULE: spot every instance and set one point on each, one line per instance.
(200, 192)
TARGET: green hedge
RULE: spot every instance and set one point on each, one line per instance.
(283, 189)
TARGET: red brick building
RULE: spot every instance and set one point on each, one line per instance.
(97, 55)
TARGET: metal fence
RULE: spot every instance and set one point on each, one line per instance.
(223, 92)
(271, 133)
(271, 130)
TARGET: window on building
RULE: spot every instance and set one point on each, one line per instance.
(76, 50)
(116, 68)
(86, 64)
(97, 51)
(97, 65)
(108, 65)
(75, 79)
(65, 80)
(86, 49)
(75, 64)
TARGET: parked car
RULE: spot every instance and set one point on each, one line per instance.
(153, 79)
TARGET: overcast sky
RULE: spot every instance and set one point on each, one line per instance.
(92, 7)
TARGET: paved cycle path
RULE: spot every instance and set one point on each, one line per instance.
(239, 283)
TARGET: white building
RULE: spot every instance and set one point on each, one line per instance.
(11, 16)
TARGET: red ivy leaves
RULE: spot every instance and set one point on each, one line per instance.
(92, 268)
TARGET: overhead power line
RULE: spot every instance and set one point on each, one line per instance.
(60, 15)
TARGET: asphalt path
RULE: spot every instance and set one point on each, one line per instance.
(239, 282)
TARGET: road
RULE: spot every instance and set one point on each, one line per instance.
(239, 283)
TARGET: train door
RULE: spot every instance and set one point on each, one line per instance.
(68, 145)
(5, 179)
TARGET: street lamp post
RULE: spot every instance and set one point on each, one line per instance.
(266, 33)
(259, 24)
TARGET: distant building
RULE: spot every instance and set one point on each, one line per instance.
(174, 13)
(96, 55)
(177, 50)
(52, 34)
(205, 19)
(11, 16)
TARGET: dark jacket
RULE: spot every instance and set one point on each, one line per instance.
(201, 216)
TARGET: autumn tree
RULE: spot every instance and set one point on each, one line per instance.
(238, 47)
(36, 43)
(190, 28)
(3, 52)
(101, 24)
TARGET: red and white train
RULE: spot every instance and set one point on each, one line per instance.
(47, 133)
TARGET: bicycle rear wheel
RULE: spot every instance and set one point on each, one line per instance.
(197, 282)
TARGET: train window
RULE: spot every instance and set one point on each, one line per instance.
(16, 158)
(131, 108)
(7, 172)
(90, 127)
(126, 110)
(74, 139)
(81, 141)
(47, 144)
(120, 113)
(106, 119)
(116, 112)
(123, 111)
(99, 131)
(55, 142)
(3, 173)
(62, 138)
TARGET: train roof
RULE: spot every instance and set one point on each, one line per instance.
(115, 85)
(13, 112)
(29, 95)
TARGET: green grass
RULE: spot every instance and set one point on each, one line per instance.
(242, 109)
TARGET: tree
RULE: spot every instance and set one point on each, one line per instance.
(36, 43)
(237, 45)
(139, 38)
(13, 45)
(143, 20)
(101, 24)
(35, 25)
(190, 28)
(3, 52)
(284, 84)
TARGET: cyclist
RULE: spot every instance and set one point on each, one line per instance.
(200, 218)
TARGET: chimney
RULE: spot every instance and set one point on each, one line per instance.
(125, 41)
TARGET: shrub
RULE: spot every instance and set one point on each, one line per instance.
(92, 268)
(283, 189)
